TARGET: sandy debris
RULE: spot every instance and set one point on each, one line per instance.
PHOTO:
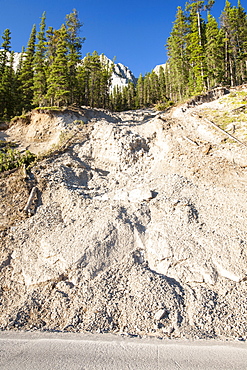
(139, 227)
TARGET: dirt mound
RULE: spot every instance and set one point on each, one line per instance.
(139, 227)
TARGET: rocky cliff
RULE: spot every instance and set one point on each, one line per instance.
(138, 225)
(121, 74)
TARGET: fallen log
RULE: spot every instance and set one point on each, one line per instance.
(225, 132)
(30, 199)
(190, 141)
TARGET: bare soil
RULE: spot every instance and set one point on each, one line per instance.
(138, 225)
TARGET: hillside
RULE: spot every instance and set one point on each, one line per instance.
(138, 224)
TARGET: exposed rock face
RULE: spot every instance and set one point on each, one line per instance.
(121, 75)
(137, 229)
(157, 68)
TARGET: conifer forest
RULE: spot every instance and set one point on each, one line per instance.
(202, 53)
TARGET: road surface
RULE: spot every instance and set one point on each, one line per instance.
(60, 351)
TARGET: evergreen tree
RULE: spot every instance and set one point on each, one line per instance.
(214, 52)
(58, 79)
(94, 77)
(242, 44)
(73, 26)
(195, 47)
(140, 92)
(8, 90)
(106, 79)
(130, 96)
(162, 83)
(178, 66)
(39, 78)
(234, 24)
(116, 99)
(26, 74)
(147, 98)
(4, 72)
(7, 78)
(5, 48)
(195, 7)
(51, 44)
(227, 20)
(91, 70)
(156, 88)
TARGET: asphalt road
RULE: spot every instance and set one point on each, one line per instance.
(107, 352)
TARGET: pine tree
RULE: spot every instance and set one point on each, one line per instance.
(178, 65)
(234, 24)
(227, 18)
(5, 48)
(196, 7)
(58, 80)
(195, 47)
(214, 52)
(8, 90)
(4, 72)
(242, 44)
(94, 77)
(130, 96)
(7, 78)
(39, 78)
(26, 74)
(51, 44)
(106, 79)
(83, 76)
(92, 65)
(140, 92)
(73, 26)
(147, 90)
(116, 99)
(162, 83)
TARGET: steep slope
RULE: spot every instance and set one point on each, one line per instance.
(138, 226)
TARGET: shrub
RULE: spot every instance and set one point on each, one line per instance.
(11, 158)
(164, 105)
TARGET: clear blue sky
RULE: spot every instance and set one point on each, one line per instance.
(133, 31)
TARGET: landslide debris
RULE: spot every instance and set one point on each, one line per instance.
(138, 225)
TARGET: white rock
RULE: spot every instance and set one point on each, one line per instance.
(139, 195)
(160, 314)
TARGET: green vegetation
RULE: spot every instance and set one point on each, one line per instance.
(164, 106)
(51, 72)
(23, 117)
(233, 114)
(78, 122)
(202, 54)
(11, 158)
(57, 109)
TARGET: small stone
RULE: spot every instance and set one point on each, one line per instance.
(160, 314)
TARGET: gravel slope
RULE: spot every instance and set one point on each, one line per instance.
(138, 226)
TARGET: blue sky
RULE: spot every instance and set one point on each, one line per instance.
(132, 31)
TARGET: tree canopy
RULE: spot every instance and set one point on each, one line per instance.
(201, 53)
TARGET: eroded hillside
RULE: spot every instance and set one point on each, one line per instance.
(138, 225)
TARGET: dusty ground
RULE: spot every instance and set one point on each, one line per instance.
(139, 223)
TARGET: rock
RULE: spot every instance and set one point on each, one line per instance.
(139, 195)
(133, 228)
(160, 314)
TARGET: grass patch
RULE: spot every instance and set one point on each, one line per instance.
(24, 119)
(234, 99)
(163, 106)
